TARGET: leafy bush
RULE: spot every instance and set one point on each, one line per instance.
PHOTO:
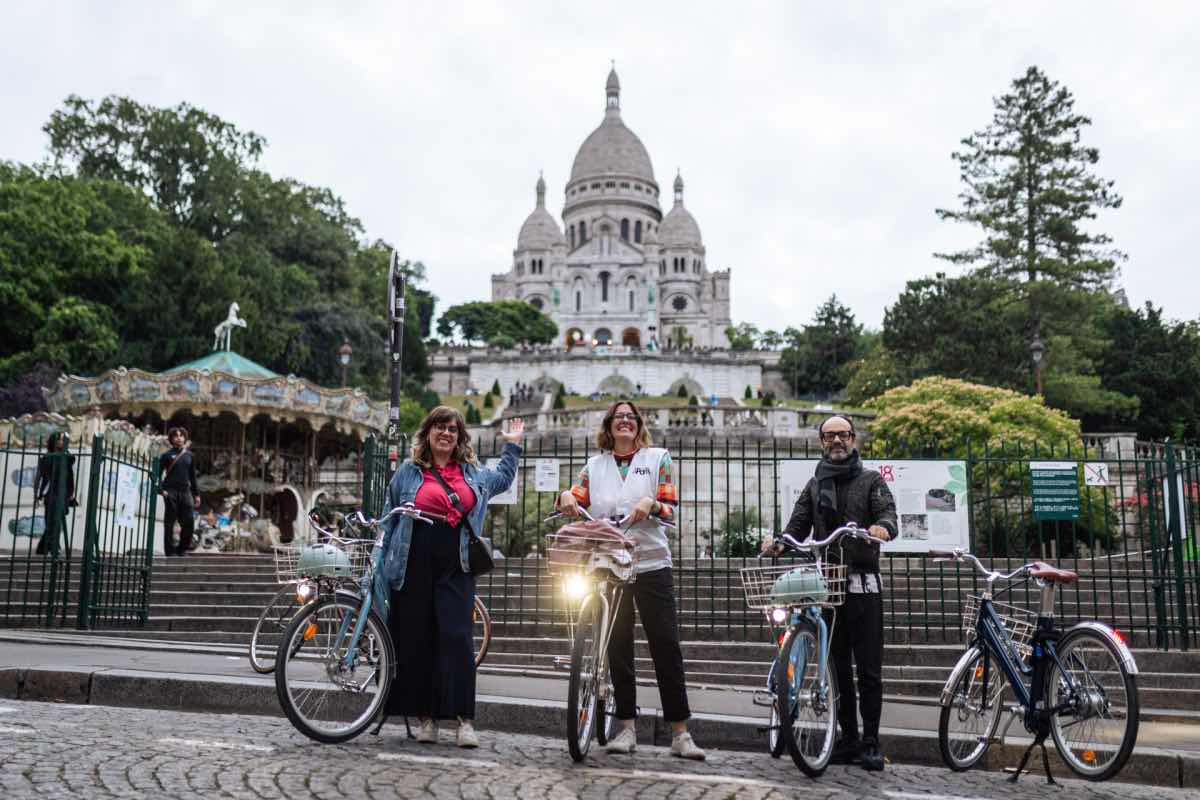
(693, 401)
(487, 400)
(560, 402)
(496, 387)
(748, 394)
(741, 534)
(683, 392)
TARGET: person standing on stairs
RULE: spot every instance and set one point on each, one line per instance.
(179, 491)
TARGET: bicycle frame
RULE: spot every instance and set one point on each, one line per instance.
(813, 613)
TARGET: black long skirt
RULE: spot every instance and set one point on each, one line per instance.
(430, 624)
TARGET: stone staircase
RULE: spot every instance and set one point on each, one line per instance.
(206, 600)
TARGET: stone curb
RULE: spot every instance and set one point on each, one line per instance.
(223, 694)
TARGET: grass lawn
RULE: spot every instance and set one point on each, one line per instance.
(459, 401)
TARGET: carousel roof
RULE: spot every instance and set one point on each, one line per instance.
(219, 382)
(226, 361)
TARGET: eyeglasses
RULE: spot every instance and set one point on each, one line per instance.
(833, 436)
(625, 416)
(445, 428)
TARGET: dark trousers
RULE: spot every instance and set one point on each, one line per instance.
(178, 508)
(858, 632)
(54, 523)
(654, 594)
(430, 623)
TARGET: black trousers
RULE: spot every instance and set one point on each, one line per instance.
(178, 508)
(54, 523)
(858, 632)
(430, 624)
(654, 594)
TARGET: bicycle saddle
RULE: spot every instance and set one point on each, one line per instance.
(1046, 572)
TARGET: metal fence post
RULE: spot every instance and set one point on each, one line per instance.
(91, 534)
(148, 560)
(1175, 519)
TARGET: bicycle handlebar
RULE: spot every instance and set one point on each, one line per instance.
(808, 545)
(360, 520)
(960, 555)
(618, 521)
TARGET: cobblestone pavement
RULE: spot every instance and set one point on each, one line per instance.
(52, 750)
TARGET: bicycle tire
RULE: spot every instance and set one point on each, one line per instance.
(1067, 646)
(786, 685)
(960, 707)
(258, 662)
(480, 616)
(776, 743)
(606, 715)
(382, 677)
(581, 691)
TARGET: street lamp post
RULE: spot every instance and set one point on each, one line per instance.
(344, 358)
(1036, 349)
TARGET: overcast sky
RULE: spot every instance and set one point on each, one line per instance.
(814, 138)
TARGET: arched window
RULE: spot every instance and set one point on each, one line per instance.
(625, 229)
(662, 267)
(604, 287)
(578, 299)
(582, 232)
(637, 231)
(631, 299)
(572, 237)
(537, 303)
(520, 267)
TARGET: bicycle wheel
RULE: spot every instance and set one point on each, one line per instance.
(807, 698)
(481, 628)
(323, 697)
(271, 623)
(585, 661)
(1096, 735)
(966, 726)
(606, 714)
(776, 743)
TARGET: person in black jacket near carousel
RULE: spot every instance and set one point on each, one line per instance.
(55, 485)
(180, 492)
(842, 491)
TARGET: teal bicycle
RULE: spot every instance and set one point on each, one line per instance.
(801, 691)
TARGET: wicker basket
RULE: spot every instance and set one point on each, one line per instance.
(1018, 622)
(759, 581)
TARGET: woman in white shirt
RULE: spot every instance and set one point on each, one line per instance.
(632, 480)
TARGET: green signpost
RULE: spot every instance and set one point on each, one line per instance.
(1055, 489)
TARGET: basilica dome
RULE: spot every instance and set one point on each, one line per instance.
(612, 149)
(540, 231)
(679, 227)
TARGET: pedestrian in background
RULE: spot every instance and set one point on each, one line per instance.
(55, 487)
(180, 491)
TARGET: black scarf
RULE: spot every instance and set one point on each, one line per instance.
(829, 473)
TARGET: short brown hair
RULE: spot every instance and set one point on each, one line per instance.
(604, 439)
(177, 429)
(463, 452)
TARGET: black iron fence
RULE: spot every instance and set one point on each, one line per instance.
(76, 541)
(1132, 533)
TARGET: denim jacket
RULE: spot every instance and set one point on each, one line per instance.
(485, 483)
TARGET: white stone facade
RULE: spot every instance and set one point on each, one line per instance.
(623, 274)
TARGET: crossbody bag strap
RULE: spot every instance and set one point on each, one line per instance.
(174, 461)
(455, 500)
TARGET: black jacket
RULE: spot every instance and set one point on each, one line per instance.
(182, 473)
(865, 500)
(47, 480)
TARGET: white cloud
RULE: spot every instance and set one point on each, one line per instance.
(815, 139)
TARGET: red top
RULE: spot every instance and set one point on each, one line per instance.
(432, 497)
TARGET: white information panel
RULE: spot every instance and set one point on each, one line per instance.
(128, 481)
(545, 474)
(931, 500)
(507, 498)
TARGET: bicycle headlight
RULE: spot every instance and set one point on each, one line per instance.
(575, 587)
(779, 615)
(305, 591)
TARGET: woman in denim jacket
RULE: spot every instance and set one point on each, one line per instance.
(425, 588)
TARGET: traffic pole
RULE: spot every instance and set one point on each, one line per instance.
(396, 350)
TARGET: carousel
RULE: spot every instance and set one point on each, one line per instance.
(267, 447)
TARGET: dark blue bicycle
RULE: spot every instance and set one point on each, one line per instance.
(1078, 686)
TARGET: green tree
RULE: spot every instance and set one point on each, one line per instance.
(1029, 186)
(496, 387)
(1157, 361)
(817, 359)
(772, 340)
(742, 336)
(486, 321)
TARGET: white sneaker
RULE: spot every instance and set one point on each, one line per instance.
(683, 746)
(624, 742)
(466, 734)
(428, 732)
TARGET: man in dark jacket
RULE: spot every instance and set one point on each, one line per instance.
(180, 492)
(841, 492)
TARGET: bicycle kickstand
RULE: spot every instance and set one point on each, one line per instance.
(1039, 741)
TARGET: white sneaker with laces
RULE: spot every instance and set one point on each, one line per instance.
(624, 742)
(428, 732)
(466, 734)
(683, 746)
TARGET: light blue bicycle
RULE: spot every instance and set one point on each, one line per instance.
(801, 691)
(336, 661)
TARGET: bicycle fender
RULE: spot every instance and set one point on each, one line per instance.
(965, 659)
(1104, 630)
(346, 594)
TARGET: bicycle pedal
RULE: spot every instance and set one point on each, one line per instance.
(562, 662)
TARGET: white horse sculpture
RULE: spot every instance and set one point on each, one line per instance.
(223, 332)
